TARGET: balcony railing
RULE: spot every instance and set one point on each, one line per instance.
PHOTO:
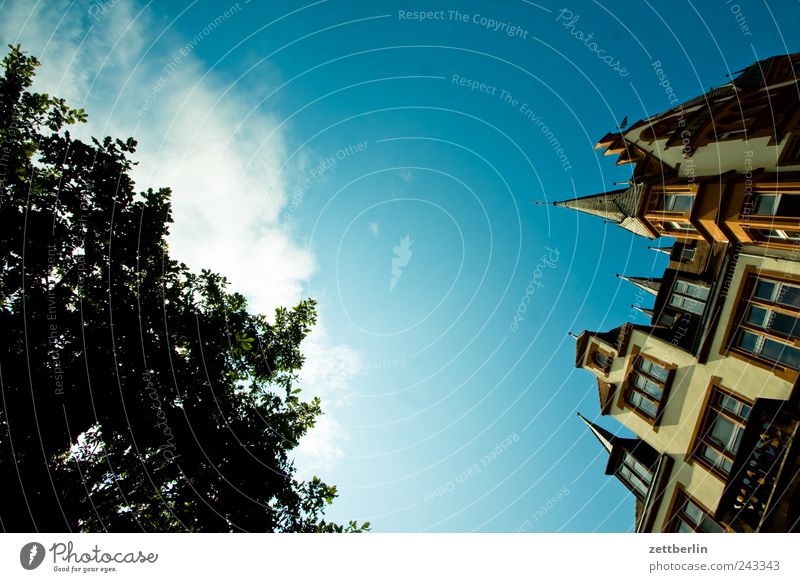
(755, 490)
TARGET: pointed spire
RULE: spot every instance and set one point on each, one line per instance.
(603, 205)
(666, 250)
(606, 438)
(648, 312)
(620, 207)
(644, 283)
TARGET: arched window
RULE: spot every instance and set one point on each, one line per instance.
(601, 360)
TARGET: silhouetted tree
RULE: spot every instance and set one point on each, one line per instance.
(136, 395)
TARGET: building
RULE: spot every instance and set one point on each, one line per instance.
(710, 387)
(723, 167)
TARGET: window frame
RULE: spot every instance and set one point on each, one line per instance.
(594, 350)
(677, 514)
(776, 235)
(687, 298)
(741, 326)
(633, 394)
(712, 410)
(673, 197)
(676, 228)
(778, 196)
(631, 467)
(686, 251)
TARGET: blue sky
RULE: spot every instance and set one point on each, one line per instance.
(305, 141)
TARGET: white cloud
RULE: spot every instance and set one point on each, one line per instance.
(217, 150)
(328, 372)
(329, 369)
(320, 449)
(228, 186)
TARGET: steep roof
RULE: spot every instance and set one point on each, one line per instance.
(618, 206)
(665, 250)
(605, 394)
(606, 438)
(648, 284)
(648, 312)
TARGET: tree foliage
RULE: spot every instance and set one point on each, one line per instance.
(136, 394)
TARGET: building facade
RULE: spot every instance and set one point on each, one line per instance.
(710, 387)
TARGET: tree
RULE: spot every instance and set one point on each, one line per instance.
(136, 395)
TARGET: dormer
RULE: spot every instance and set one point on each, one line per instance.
(632, 461)
(597, 351)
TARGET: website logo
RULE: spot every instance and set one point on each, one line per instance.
(402, 255)
(31, 555)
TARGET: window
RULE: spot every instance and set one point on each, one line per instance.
(681, 226)
(777, 235)
(689, 517)
(721, 431)
(733, 133)
(635, 475)
(769, 325)
(666, 320)
(646, 386)
(689, 297)
(685, 251)
(601, 360)
(678, 203)
(777, 204)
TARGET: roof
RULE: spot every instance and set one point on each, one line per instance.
(664, 250)
(618, 206)
(648, 284)
(769, 72)
(606, 438)
(605, 393)
(617, 337)
(751, 78)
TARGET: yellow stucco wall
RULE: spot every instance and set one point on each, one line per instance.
(683, 408)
